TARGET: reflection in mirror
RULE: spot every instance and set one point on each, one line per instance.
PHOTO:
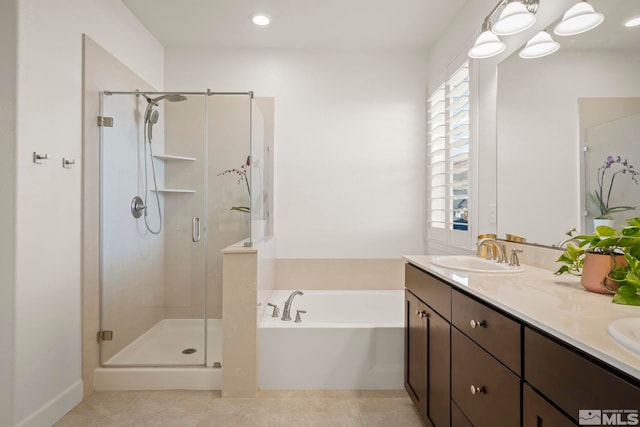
(610, 129)
(540, 187)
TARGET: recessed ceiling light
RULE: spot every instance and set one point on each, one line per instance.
(260, 19)
(632, 22)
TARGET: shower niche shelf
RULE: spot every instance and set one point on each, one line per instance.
(173, 190)
(172, 157)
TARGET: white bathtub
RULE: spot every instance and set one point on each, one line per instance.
(350, 340)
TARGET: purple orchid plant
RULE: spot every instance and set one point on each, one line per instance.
(615, 166)
(242, 176)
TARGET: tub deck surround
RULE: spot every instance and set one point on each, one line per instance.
(347, 340)
(557, 305)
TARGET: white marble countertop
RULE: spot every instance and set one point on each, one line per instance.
(558, 305)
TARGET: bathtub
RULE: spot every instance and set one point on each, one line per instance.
(349, 340)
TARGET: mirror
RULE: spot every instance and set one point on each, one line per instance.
(548, 109)
(609, 129)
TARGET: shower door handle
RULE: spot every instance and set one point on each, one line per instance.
(195, 229)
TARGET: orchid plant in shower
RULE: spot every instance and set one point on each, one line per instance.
(242, 176)
(615, 166)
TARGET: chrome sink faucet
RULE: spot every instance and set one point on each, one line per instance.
(286, 313)
(494, 248)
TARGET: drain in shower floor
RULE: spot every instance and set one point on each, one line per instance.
(189, 351)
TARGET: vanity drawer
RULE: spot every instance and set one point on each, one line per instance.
(495, 332)
(537, 412)
(457, 417)
(572, 381)
(432, 291)
(498, 401)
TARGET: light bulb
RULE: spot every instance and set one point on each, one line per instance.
(514, 19)
(487, 45)
(540, 45)
(579, 19)
(260, 19)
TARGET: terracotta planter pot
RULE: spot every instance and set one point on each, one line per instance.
(596, 267)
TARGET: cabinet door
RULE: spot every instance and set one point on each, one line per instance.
(427, 361)
(537, 412)
(415, 345)
(439, 378)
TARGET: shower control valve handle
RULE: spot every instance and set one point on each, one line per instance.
(276, 310)
(298, 318)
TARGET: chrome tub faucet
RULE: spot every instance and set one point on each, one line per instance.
(286, 313)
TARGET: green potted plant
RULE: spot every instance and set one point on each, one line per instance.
(607, 260)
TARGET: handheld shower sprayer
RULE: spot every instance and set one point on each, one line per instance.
(151, 116)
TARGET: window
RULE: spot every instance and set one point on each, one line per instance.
(449, 160)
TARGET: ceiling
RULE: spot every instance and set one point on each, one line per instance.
(348, 24)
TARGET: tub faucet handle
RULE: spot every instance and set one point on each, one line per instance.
(276, 310)
(298, 318)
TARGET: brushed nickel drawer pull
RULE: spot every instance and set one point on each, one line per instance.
(476, 390)
(422, 313)
(477, 323)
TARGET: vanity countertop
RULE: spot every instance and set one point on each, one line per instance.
(558, 305)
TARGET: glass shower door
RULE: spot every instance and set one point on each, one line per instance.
(153, 237)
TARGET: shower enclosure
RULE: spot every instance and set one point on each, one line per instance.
(181, 177)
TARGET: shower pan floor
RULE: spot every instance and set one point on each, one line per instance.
(157, 360)
(173, 342)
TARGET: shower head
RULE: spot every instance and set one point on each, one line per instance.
(171, 97)
(175, 97)
(151, 115)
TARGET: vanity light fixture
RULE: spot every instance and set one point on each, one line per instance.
(260, 19)
(487, 44)
(578, 19)
(632, 22)
(540, 45)
(516, 17)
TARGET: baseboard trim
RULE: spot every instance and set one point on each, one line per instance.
(52, 411)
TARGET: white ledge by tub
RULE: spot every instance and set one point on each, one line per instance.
(558, 305)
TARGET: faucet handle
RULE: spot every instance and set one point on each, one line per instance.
(298, 318)
(276, 310)
(514, 261)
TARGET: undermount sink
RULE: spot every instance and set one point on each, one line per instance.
(626, 332)
(474, 264)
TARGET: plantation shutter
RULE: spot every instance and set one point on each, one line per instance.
(449, 159)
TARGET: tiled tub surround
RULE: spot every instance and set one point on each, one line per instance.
(346, 340)
(557, 305)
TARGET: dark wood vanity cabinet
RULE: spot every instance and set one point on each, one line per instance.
(572, 381)
(427, 350)
(470, 364)
(537, 412)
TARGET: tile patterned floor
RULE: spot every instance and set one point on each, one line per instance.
(384, 408)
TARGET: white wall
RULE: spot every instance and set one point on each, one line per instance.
(8, 53)
(350, 132)
(48, 208)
